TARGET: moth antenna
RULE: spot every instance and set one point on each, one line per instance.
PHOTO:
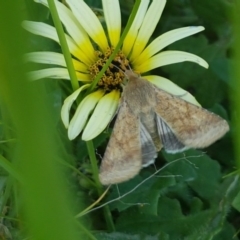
(128, 68)
(191, 163)
(119, 69)
(129, 204)
(122, 85)
(118, 191)
(155, 166)
(98, 154)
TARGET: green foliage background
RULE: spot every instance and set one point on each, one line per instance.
(195, 195)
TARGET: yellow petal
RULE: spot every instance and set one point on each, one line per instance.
(149, 24)
(89, 21)
(68, 103)
(164, 40)
(112, 16)
(102, 115)
(57, 73)
(53, 58)
(133, 31)
(172, 88)
(83, 111)
(48, 31)
(74, 29)
(169, 57)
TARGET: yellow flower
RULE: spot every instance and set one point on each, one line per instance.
(90, 47)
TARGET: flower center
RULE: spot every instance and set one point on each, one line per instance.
(114, 75)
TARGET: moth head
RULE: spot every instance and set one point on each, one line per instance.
(131, 75)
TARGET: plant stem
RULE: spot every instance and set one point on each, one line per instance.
(63, 44)
(92, 156)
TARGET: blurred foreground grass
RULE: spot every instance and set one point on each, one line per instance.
(35, 191)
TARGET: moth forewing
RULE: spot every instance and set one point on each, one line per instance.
(192, 126)
(122, 158)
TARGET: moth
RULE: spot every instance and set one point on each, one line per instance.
(148, 120)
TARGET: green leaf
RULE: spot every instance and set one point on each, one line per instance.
(183, 169)
(124, 236)
(236, 202)
(208, 175)
(145, 195)
(199, 170)
(177, 227)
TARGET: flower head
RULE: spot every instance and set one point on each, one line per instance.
(91, 47)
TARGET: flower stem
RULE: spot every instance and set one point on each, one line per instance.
(63, 44)
(92, 156)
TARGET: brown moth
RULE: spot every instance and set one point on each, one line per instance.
(148, 119)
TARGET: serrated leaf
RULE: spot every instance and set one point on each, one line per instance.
(169, 208)
(205, 172)
(207, 182)
(178, 227)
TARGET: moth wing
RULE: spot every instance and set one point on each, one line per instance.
(182, 125)
(122, 159)
(149, 151)
(168, 137)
